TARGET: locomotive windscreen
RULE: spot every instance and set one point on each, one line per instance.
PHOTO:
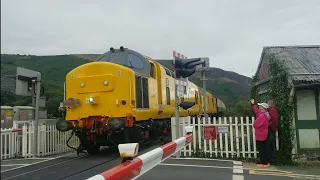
(128, 58)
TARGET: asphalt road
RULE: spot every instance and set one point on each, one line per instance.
(73, 167)
(192, 169)
(69, 167)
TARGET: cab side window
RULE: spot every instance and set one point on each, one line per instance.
(152, 73)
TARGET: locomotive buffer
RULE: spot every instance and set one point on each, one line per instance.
(185, 68)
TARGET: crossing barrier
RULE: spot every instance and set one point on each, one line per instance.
(136, 167)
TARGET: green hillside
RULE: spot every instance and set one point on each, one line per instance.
(230, 87)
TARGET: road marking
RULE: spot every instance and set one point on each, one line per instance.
(237, 170)
(286, 174)
(14, 165)
(190, 165)
(206, 159)
(237, 162)
(237, 177)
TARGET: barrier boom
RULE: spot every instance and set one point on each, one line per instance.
(145, 162)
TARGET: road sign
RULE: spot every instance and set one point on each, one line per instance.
(223, 129)
(210, 133)
(180, 90)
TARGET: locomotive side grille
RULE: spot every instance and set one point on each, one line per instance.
(138, 92)
(145, 93)
(142, 92)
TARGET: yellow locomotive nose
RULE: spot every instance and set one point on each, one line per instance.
(98, 87)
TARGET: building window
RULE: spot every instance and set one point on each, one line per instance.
(306, 105)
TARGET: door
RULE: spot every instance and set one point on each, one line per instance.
(307, 119)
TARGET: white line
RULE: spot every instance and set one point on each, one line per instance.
(189, 165)
(237, 177)
(237, 162)
(40, 158)
(21, 159)
(219, 167)
(14, 165)
(205, 159)
(237, 169)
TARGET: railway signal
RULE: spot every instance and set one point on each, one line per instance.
(183, 69)
(186, 67)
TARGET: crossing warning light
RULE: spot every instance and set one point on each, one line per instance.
(186, 67)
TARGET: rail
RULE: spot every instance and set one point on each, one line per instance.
(145, 162)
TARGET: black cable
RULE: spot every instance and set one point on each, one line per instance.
(41, 90)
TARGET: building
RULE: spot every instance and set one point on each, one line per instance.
(303, 63)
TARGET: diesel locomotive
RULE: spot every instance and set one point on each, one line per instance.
(124, 96)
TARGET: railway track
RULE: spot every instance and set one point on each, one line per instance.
(71, 168)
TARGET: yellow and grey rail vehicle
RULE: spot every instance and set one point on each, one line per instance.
(124, 96)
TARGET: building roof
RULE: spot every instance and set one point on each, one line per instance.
(303, 62)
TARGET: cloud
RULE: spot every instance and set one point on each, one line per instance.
(231, 33)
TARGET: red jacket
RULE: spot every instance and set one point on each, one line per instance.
(273, 122)
(260, 124)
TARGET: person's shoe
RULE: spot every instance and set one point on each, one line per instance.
(266, 165)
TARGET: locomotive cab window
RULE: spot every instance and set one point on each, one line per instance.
(152, 73)
(135, 62)
(196, 97)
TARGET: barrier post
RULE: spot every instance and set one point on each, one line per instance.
(132, 169)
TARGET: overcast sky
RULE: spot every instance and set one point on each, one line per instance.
(231, 33)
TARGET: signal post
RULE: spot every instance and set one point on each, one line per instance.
(183, 69)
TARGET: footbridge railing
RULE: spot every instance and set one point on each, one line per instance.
(132, 168)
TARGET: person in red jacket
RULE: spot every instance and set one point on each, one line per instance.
(261, 131)
(273, 124)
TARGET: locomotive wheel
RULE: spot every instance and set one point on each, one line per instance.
(91, 148)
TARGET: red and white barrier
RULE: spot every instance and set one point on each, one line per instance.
(143, 163)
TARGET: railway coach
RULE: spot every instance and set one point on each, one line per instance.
(124, 96)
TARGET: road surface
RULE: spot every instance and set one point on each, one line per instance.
(73, 167)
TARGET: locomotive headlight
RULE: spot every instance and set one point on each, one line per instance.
(105, 82)
(91, 100)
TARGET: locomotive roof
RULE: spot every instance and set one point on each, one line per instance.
(129, 58)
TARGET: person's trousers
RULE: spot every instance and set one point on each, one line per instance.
(271, 146)
(262, 148)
